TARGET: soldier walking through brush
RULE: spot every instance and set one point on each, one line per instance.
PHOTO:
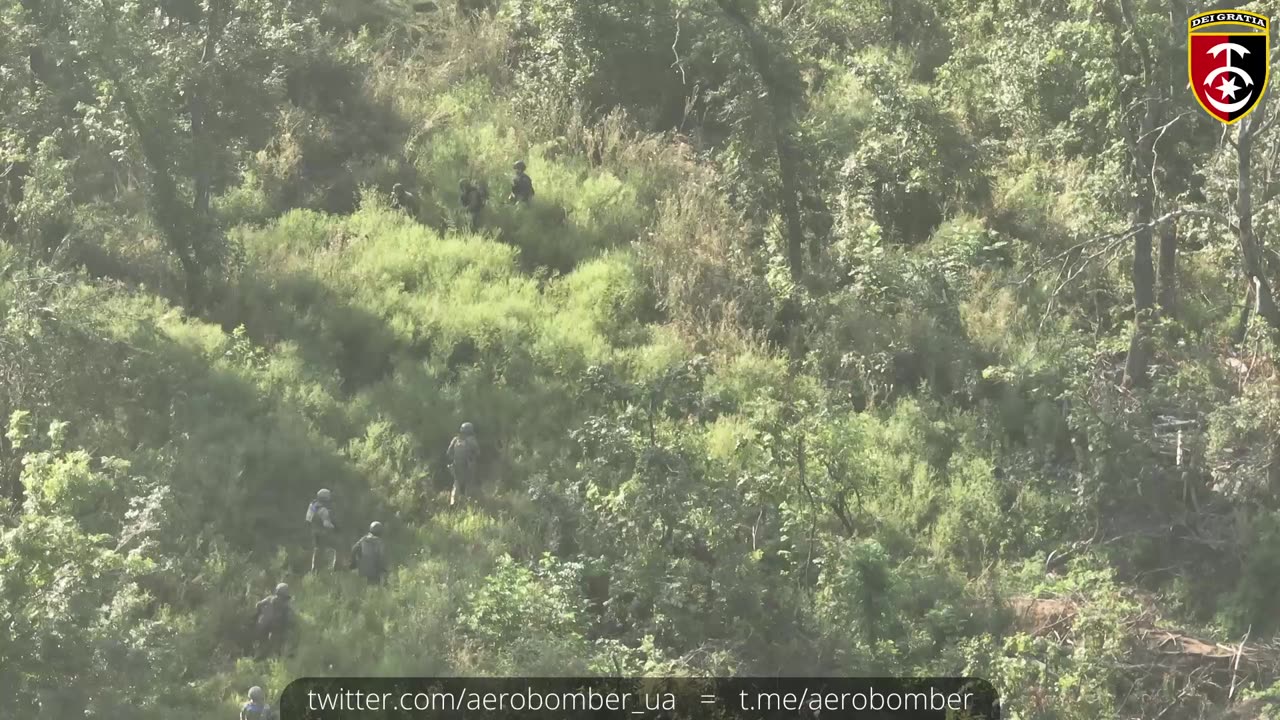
(257, 708)
(369, 555)
(324, 529)
(521, 185)
(273, 618)
(463, 451)
(473, 198)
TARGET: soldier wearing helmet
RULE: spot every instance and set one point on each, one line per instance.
(324, 528)
(521, 185)
(273, 619)
(463, 453)
(369, 555)
(256, 708)
(473, 197)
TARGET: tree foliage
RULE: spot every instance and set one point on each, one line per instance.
(836, 337)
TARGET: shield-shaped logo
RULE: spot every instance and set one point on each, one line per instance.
(1228, 56)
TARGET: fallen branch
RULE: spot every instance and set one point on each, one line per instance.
(1055, 617)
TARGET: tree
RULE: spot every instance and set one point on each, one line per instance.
(1134, 53)
(74, 601)
(1257, 286)
(173, 87)
(783, 88)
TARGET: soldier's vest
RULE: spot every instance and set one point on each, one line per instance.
(473, 199)
(523, 187)
(370, 557)
(273, 613)
(465, 453)
(254, 711)
(315, 518)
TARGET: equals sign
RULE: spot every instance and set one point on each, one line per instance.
(708, 699)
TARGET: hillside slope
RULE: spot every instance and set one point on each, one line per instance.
(779, 373)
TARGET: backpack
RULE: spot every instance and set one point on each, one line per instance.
(369, 555)
(270, 614)
(465, 450)
(315, 518)
(522, 187)
(258, 712)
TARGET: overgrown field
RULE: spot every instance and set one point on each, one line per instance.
(827, 346)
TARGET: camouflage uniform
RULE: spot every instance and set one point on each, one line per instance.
(521, 185)
(257, 708)
(462, 452)
(369, 557)
(324, 531)
(473, 197)
(272, 619)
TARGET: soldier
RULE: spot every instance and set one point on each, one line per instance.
(257, 707)
(368, 556)
(462, 453)
(323, 528)
(521, 185)
(473, 197)
(273, 618)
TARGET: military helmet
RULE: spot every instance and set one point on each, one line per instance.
(519, 165)
(324, 495)
(467, 428)
(282, 589)
(375, 528)
(257, 695)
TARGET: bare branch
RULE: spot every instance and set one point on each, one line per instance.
(1265, 126)
(675, 50)
(1155, 144)
(1195, 212)
(1130, 232)
(1160, 131)
(1073, 265)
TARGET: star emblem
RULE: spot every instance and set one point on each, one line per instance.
(1228, 88)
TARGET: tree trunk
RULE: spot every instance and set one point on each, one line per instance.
(164, 200)
(202, 169)
(1141, 164)
(166, 205)
(41, 71)
(202, 114)
(1246, 311)
(1169, 269)
(1143, 273)
(781, 109)
(790, 193)
(1256, 283)
(1250, 254)
(1174, 76)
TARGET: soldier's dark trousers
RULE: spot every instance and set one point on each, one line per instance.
(269, 643)
(462, 477)
(322, 543)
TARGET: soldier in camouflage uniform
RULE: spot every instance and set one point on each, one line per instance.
(257, 708)
(473, 198)
(463, 451)
(521, 185)
(272, 620)
(369, 556)
(324, 529)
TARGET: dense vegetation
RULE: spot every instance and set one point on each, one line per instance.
(842, 337)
